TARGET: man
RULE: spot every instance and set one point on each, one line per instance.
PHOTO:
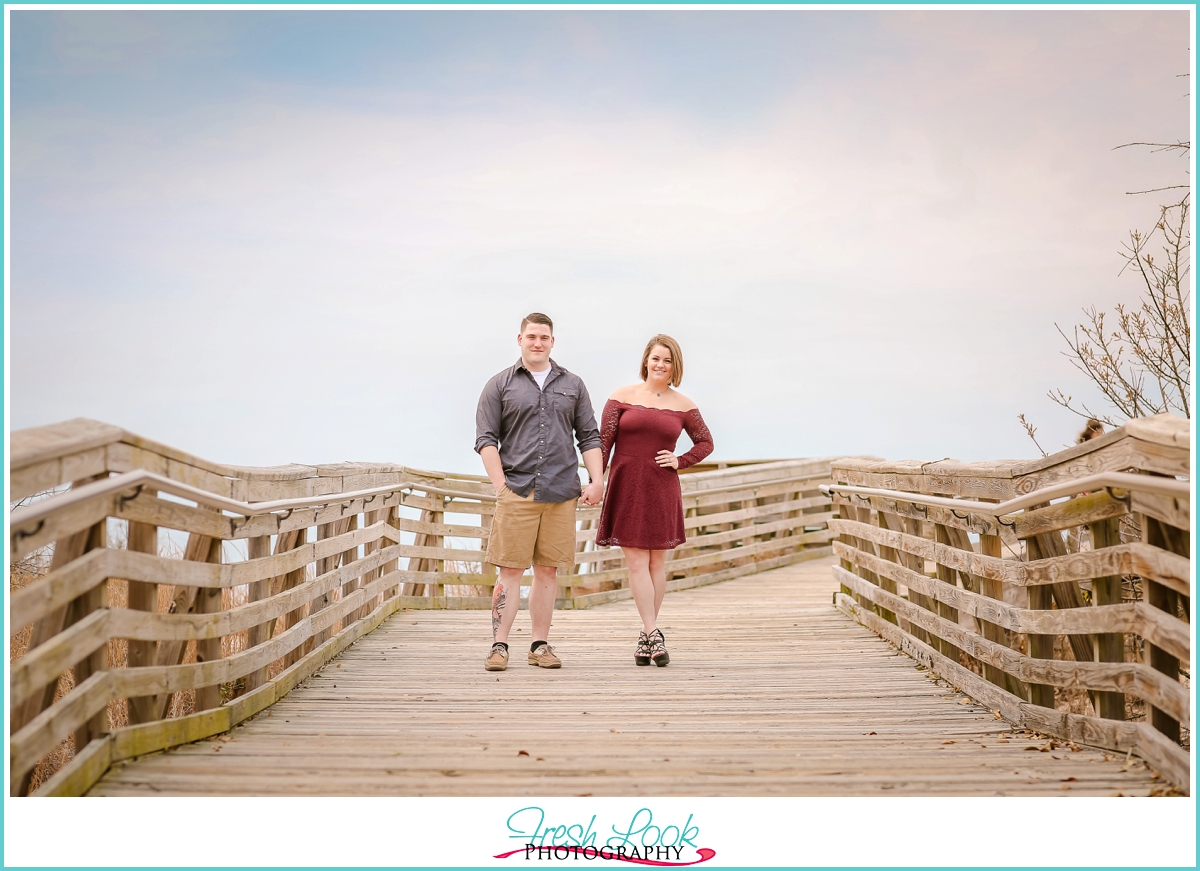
(524, 426)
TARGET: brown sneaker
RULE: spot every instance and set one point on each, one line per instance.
(544, 656)
(497, 660)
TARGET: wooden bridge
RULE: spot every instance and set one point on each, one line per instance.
(184, 627)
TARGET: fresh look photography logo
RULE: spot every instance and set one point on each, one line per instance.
(642, 841)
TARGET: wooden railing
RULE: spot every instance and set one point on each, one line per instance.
(1056, 592)
(161, 598)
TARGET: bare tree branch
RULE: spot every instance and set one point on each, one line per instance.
(1173, 187)
(1031, 431)
(1141, 364)
(1162, 146)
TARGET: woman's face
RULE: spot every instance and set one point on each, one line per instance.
(658, 365)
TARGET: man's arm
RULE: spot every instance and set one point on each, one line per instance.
(594, 491)
(587, 434)
(487, 431)
(493, 466)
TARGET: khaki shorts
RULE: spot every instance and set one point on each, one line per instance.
(526, 533)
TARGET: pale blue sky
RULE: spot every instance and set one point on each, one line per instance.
(310, 235)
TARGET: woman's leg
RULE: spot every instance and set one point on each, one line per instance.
(641, 585)
(658, 577)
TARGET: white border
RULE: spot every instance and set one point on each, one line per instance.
(460, 832)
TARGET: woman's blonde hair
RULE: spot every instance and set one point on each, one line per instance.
(676, 357)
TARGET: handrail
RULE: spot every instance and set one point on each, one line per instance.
(29, 514)
(1101, 480)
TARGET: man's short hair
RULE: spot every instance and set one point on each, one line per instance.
(537, 318)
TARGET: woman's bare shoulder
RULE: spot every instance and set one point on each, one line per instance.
(683, 403)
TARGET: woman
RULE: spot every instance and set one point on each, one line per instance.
(643, 507)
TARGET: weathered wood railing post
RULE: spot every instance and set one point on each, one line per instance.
(143, 538)
(199, 548)
(293, 540)
(208, 601)
(1163, 598)
(993, 546)
(258, 548)
(391, 568)
(1106, 590)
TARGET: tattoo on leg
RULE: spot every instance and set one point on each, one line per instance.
(498, 599)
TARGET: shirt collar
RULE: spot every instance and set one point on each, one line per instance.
(554, 367)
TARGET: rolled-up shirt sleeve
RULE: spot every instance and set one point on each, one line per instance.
(487, 417)
(587, 434)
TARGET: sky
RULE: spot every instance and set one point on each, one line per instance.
(310, 236)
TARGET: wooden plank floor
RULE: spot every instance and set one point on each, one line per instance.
(770, 691)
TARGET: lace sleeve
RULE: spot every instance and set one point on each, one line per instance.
(702, 443)
(608, 430)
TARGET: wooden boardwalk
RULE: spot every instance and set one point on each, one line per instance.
(771, 691)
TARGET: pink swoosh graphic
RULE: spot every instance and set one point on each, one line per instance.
(705, 855)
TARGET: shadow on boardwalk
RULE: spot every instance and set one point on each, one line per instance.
(770, 691)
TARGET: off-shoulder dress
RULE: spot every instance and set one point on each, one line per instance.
(643, 506)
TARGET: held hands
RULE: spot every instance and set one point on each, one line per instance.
(592, 493)
(667, 460)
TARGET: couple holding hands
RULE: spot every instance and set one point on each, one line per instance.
(529, 420)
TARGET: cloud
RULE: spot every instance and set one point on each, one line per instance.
(891, 243)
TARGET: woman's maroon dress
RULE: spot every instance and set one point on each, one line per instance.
(643, 506)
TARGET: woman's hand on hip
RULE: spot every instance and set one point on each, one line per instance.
(667, 460)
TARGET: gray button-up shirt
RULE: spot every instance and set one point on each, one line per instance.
(533, 430)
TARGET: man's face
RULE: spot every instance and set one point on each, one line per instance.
(535, 340)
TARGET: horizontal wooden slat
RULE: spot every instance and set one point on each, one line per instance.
(1139, 558)
(131, 682)
(1079, 511)
(61, 586)
(1141, 680)
(742, 514)
(756, 491)
(980, 524)
(45, 663)
(45, 731)
(1175, 512)
(1160, 628)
